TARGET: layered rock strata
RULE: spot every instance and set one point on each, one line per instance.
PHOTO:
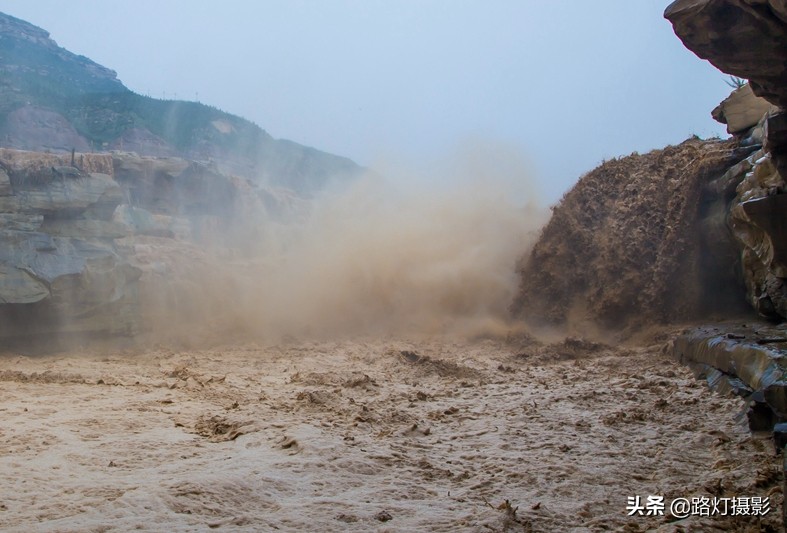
(82, 236)
(748, 360)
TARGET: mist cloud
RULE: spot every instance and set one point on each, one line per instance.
(381, 256)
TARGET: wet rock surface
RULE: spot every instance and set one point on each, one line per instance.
(749, 39)
(757, 221)
(749, 360)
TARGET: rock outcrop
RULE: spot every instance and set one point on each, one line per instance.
(741, 110)
(90, 240)
(746, 38)
(59, 269)
(747, 360)
(85, 249)
(758, 220)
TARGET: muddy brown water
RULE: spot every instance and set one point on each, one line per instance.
(368, 435)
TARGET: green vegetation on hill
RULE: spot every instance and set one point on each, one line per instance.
(103, 117)
(35, 71)
(99, 106)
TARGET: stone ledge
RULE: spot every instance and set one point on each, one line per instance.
(749, 360)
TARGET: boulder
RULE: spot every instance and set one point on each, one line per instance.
(741, 110)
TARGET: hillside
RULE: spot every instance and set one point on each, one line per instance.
(54, 100)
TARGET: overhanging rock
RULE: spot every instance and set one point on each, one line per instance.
(747, 38)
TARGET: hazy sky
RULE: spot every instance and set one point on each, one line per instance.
(564, 83)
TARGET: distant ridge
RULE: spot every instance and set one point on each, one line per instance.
(54, 100)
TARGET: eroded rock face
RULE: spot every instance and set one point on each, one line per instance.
(744, 359)
(746, 38)
(65, 197)
(81, 245)
(758, 223)
(741, 110)
(59, 268)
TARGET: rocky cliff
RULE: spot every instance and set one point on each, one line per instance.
(103, 243)
(691, 231)
(749, 39)
(53, 100)
(58, 263)
(117, 210)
